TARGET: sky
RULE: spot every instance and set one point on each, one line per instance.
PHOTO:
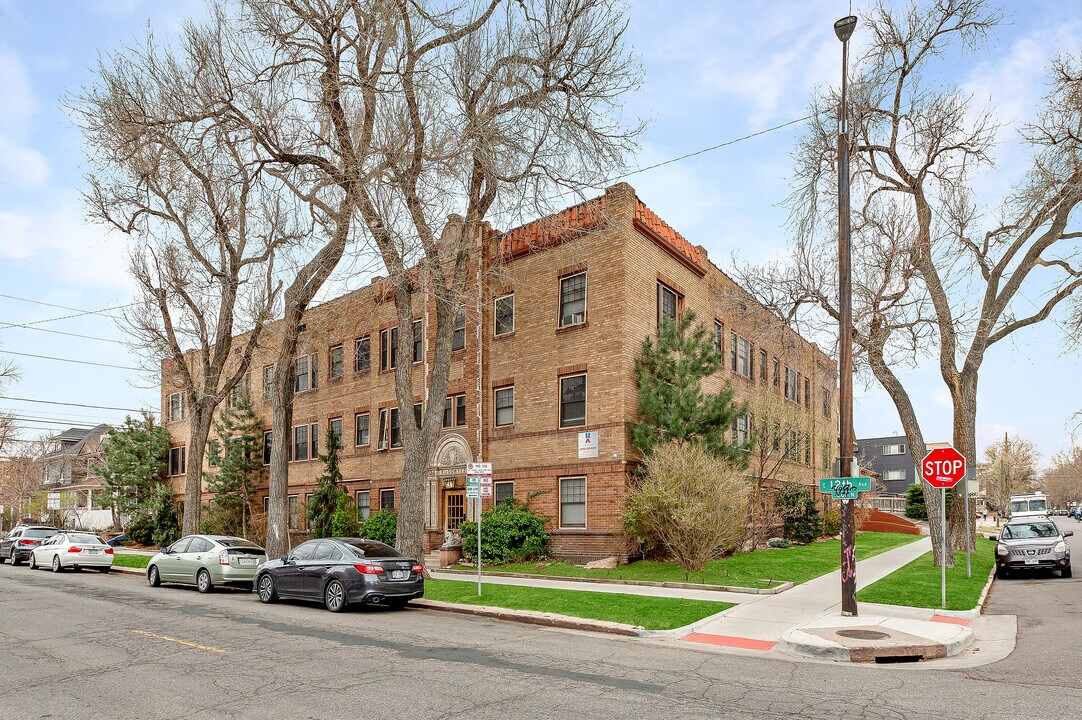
(714, 71)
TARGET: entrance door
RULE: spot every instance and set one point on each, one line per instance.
(454, 510)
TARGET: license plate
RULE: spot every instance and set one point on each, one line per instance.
(399, 574)
(247, 561)
(1032, 561)
(93, 552)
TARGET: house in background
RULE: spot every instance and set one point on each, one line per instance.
(889, 458)
(68, 468)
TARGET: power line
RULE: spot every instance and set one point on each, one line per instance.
(75, 417)
(68, 423)
(61, 307)
(5, 325)
(103, 311)
(69, 360)
(84, 405)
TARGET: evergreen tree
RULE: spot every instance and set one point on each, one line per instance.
(163, 516)
(238, 455)
(672, 403)
(134, 459)
(345, 523)
(325, 500)
(914, 503)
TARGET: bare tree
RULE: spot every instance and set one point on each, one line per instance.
(169, 169)
(425, 121)
(933, 276)
(1062, 482)
(1011, 470)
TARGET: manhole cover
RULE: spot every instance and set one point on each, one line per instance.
(862, 634)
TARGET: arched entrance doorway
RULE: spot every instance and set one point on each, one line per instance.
(446, 504)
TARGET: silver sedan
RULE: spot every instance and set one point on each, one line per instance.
(72, 550)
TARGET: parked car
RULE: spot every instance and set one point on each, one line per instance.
(340, 572)
(206, 561)
(72, 550)
(1032, 543)
(118, 541)
(22, 539)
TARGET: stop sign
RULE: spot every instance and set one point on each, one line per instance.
(943, 467)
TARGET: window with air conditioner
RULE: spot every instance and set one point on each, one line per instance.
(573, 300)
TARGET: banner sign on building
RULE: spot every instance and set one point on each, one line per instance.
(588, 444)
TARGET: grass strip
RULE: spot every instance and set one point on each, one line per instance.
(132, 561)
(794, 564)
(918, 583)
(652, 613)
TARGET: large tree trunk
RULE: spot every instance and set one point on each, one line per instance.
(282, 393)
(193, 482)
(965, 442)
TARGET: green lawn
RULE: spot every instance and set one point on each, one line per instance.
(918, 583)
(652, 613)
(132, 561)
(794, 564)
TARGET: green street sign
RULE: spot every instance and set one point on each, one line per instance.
(473, 486)
(844, 488)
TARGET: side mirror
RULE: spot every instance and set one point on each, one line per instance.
(286, 560)
(1069, 533)
(166, 551)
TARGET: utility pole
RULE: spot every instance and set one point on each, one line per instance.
(844, 30)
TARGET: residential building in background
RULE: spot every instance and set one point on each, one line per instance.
(890, 459)
(544, 352)
(67, 467)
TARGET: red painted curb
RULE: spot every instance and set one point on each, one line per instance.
(728, 641)
(950, 620)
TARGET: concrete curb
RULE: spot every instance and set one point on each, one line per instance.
(130, 570)
(782, 587)
(918, 637)
(973, 612)
(530, 617)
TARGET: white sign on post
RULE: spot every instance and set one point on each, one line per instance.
(478, 485)
(588, 444)
(53, 501)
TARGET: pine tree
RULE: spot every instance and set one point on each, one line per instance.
(672, 403)
(325, 500)
(238, 455)
(134, 459)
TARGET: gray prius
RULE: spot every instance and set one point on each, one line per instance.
(206, 561)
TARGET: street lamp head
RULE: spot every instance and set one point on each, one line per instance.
(844, 27)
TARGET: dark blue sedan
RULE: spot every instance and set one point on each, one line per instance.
(340, 572)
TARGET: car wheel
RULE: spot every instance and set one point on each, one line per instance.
(334, 596)
(1066, 572)
(15, 559)
(265, 587)
(57, 567)
(104, 569)
(153, 577)
(202, 581)
(33, 564)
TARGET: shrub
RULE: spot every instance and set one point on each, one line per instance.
(801, 521)
(510, 532)
(344, 521)
(832, 522)
(141, 530)
(689, 503)
(914, 503)
(164, 518)
(779, 543)
(381, 526)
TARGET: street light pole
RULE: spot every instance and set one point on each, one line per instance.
(844, 30)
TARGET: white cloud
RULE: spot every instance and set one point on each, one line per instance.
(20, 165)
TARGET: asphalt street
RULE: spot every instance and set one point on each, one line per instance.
(82, 645)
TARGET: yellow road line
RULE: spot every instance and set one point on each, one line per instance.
(179, 642)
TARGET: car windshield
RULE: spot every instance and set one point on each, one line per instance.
(85, 539)
(39, 533)
(371, 549)
(1030, 531)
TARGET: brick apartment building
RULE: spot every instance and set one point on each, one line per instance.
(543, 352)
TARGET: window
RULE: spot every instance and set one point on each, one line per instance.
(668, 303)
(364, 504)
(740, 355)
(390, 432)
(313, 438)
(418, 341)
(267, 443)
(268, 381)
(762, 366)
(505, 406)
(777, 373)
(176, 406)
(454, 411)
(894, 475)
(386, 499)
(719, 341)
(336, 428)
(458, 338)
(573, 502)
(337, 362)
(504, 491)
(573, 401)
(573, 300)
(305, 373)
(894, 449)
(792, 446)
(826, 403)
(455, 510)
(807, 393)
(418, 414)
(388, 349)
(740, 429)
(361, 428)
(243, 389)
(176, 461)
(792, 384)
(362, 359)
(504, 315)
(300, 443)
(292, 514)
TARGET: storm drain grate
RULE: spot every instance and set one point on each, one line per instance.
(884, 659)
(863, 634)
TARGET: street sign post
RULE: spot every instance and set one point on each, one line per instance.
(846, 488)
(943, 468)
(52, 501)
(478, 485)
